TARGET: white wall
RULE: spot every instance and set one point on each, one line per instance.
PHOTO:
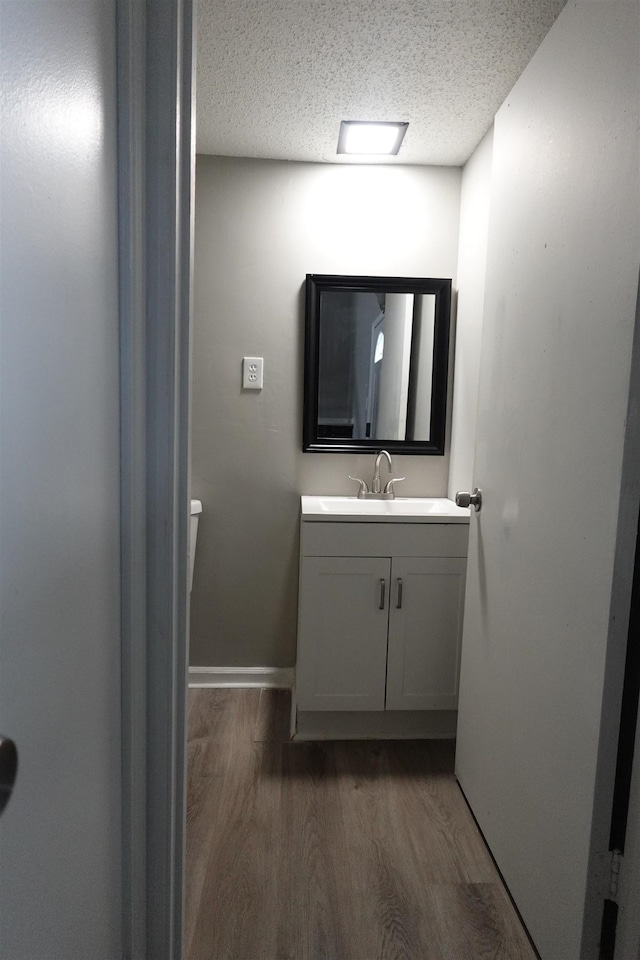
(472, 262)
(261, 226)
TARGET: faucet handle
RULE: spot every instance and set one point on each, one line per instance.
(388, 489)
(364, 489)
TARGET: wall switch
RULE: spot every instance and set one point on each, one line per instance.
(252, 373)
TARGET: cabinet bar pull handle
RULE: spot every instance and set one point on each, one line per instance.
(399, 601)
(383, 587)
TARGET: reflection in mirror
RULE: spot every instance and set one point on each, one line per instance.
(376, 359)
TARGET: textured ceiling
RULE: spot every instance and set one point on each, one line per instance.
(276, 77)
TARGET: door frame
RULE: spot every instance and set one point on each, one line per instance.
(156, 169)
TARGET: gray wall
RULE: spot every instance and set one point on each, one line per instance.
(260, 227)
(472, 264)
(60, 889)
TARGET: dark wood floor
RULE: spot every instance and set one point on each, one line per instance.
(331, 851)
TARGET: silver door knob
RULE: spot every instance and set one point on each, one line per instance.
(8, 769)
(466, 499)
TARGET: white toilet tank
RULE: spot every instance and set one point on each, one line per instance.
(196, 510)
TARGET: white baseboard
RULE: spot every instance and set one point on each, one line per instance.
(241, 677)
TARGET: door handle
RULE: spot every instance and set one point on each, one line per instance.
(383, 590)
(8, 769)
(399, 598)
(466, 499)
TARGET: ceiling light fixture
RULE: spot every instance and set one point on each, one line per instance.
(371, 138)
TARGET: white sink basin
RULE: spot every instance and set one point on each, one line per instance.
(417, 509)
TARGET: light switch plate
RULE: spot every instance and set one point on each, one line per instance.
(252, 373)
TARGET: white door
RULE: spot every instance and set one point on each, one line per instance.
(393, 389)
(375, 363)
(562, 279)
(60, 835)
(425, 627)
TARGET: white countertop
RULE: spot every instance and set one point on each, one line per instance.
(400, 510)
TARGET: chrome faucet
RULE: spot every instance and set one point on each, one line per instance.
(375, 493)
(375, 486)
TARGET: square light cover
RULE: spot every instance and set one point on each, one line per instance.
(371, 138)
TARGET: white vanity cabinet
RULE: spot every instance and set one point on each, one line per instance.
(380, 608)
(342, 633)
(425, 630)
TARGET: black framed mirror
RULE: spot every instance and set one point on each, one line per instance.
(376, 361)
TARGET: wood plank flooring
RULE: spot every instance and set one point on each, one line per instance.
(360, 850)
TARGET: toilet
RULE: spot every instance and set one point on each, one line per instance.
(196, 510)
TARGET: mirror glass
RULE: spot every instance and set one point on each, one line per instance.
(376, 356)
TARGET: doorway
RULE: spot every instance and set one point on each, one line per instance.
(289, 535)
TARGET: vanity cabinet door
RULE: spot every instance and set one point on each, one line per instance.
(342, 636)
(425, 629)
